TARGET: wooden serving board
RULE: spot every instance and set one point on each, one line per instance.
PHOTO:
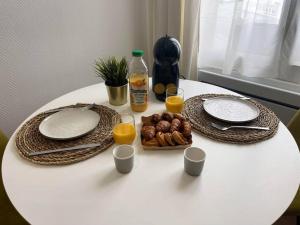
(176, 147)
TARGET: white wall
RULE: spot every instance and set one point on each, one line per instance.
(47, 48)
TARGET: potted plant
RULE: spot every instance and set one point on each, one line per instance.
(114, 73)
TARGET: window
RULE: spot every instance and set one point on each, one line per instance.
(253, 38)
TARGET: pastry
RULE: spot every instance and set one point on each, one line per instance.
(167, 116)
(179, 116)
(148, 132)
(189, 140)
(178, 138)
(175, 125)
(161, 139)
(167, 129)
(169, 139)
(147, 120)
(163, 126)
(151, 142)
(156, 118)
(187, 129)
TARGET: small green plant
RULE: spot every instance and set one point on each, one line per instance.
(112, 71)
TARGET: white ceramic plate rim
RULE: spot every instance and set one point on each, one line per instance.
(84, 132)
(246, 102)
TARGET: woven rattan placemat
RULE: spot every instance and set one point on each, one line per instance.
(201, 122)
(29, 139)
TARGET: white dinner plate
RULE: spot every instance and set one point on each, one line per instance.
(69, 124)
(231, 109)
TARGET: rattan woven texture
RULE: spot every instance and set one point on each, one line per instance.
(29, 139)
(201, 122)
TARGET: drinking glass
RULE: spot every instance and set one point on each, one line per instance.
(174, 99)
(124, 131)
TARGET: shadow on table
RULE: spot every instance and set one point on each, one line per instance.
(111, 176)
(187, 182)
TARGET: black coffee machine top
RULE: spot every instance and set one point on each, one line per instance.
(165, 73)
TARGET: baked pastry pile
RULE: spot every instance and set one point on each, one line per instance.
(167, 129)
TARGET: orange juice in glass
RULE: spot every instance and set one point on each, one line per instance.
(124, 129)
(174, 100)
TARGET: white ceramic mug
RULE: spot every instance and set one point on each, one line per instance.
(124, 157)
(194, 159)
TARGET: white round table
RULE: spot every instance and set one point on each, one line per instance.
(240, 184)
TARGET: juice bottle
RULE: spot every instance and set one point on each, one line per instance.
(138, 82)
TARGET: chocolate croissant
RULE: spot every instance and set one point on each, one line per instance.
(187, 129)
(169, 139)
(151, 142)
(167, 116)
(160, 137)
(148, 132)
(178, 138)
(163, 126)
(175, 125)
(179, 116)
(156, 118)
(147, 120)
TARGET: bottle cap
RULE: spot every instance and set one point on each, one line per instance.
(137, 52)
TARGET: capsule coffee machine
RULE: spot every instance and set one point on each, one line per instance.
(165, 73)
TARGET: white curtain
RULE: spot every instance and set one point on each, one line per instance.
(254, 38)
(179, 19)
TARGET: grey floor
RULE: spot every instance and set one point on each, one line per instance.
(286, 220)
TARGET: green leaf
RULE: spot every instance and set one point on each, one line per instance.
(112, 70)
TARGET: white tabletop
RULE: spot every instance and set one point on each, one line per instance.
(240, 184)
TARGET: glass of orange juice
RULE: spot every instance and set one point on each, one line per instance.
(124, 131)
(174, 99)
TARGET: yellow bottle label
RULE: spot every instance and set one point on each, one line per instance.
(138, 89)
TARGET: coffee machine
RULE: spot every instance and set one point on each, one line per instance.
(165, 73)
